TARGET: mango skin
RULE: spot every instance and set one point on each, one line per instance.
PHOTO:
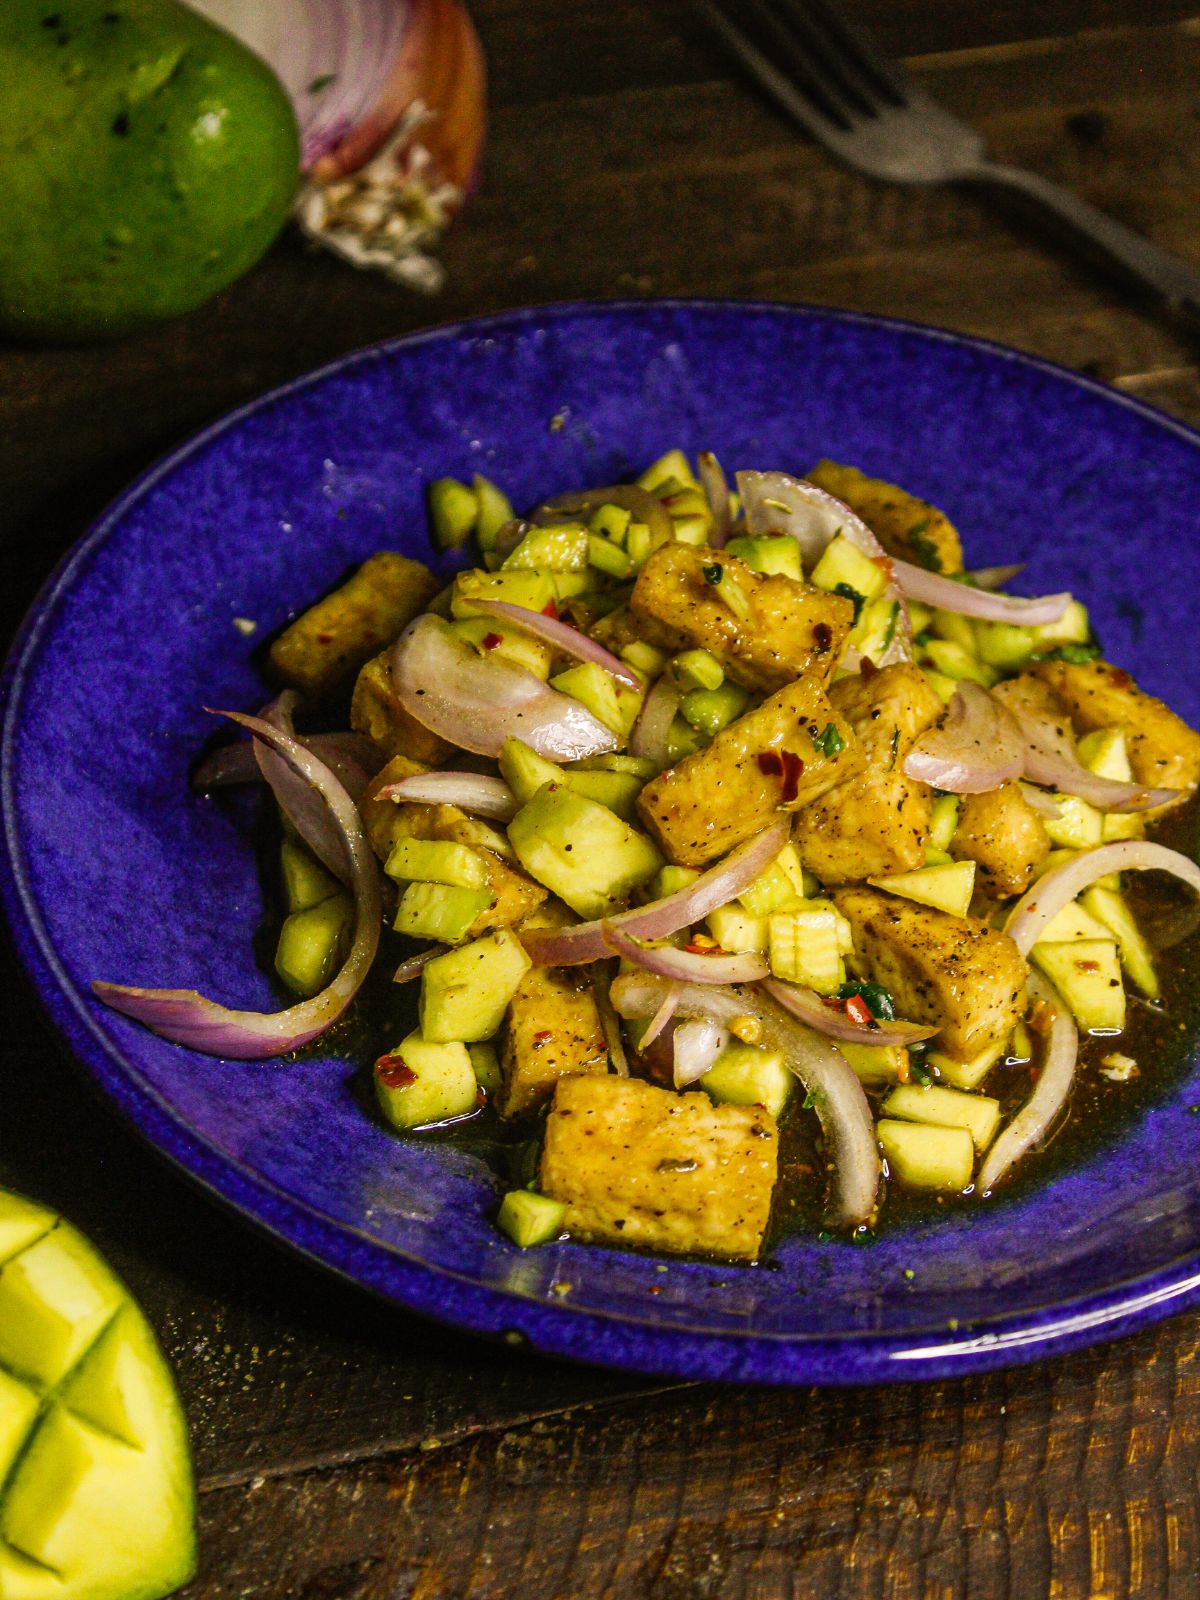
(147, 159)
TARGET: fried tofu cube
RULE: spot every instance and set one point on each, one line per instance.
(791, 627)
(875, 822)
(376, 712)
(905, 526)
(514, 896)
(552, 1031)
(635, 1164)
(320, 652)
(1004, 836)
(1164, 752)
(761, 764)
(955, 972)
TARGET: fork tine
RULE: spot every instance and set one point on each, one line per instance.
(855, 56)
(800, 91)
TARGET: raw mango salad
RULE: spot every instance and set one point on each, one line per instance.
(698, 812)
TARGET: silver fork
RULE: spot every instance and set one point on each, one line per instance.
(828, 77)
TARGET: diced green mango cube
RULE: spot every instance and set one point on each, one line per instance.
(747, 1075)
(494, 509)
(505, 641)
(614, 703)
(943, 821)
(465, 993)
(607, 557)
(967, 1074)
(305, 881)
(926, 1157)
(948, 887)
(529, 1218)
(803, 947)
(843, 562)
(1087, 974)
(532, 590)
(698, 669)
(439, 911)
(424, 1082)
(674, 466)
(581, 851)
(952, 661)
(1111, 911)
(453, 510)
(710, 710)
(1004, 644)
(875, 1063)
(436, 861)
(55, 1297)
(947, 1108)
(769, 555)
(485, 1064)
(313, 944)
(561, 547)
(1078, 825)
(736, 930)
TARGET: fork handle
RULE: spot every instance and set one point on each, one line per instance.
(1173, 281)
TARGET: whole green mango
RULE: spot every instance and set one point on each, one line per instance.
(147, 158)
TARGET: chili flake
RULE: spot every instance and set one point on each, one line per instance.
(491, 640)
(394, 1072)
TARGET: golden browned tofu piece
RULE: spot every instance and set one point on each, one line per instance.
(552, 1031)
(876, 821)
(322, 650)
(376, 712)
(1163, 751)
(514, 895)
(905, 526)
(956, 972)
(791, 629)
(1031, 695)
(380, 816)
(1004, 836)
(645, 1166)
(761, 764)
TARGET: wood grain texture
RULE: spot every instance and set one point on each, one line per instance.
(347, 1452)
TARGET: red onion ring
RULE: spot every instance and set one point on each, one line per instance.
(415, 965)
(610, 1023)
(1045, 805)
(559, 636)
(837, 1095)
(1050, 761)
(934, 590)
(661, 1017)
(683, 966)
(1049, 1094)
(584, 943)
(1046, 898)
(811, 1009)
(775, 502)
(975, 748)
(351, 757)
(477, 702)
(695, 1046)
(716, 492)
(300, 803)
(189, 1018)
(473, 792)
(653, 726)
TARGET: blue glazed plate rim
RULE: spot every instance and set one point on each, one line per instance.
(613, 1339)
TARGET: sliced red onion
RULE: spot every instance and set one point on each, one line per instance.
(189, 1018)
(476, 702)
(573, 947)
(835, 1024)
(299, 801)
(559, 636)
(1050, 761)
(610, 1023)
(1057, 1074)
(652, 729)
(640, 503)
(684, 966)
(1045, 805)
(934, 590)
(695, 1046)
(1041, 903)
(716, 492)
(996, 577)
(473, 792)
(389, 97)
(661, 1017)
(775, 502)
(837, 1095)
(415, 965)
(351, 757)
(975, 748)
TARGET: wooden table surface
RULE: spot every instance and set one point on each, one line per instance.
(347, 1452)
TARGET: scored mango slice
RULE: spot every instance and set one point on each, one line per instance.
(96, 1493)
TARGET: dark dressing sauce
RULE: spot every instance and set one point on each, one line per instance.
(1161, 1038)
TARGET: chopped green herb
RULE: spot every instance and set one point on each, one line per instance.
(878, 999)
(923, 638)
(829, 741)
(891, 627)
(926, 552)
(713, 573)
(920, 1074)
(858, 601)
(1075, 654)
(811, 1099)
(322, 82)
(895, 744)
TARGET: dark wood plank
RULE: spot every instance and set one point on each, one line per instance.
(1056, 1480)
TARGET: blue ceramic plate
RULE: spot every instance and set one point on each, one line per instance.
(120, 872)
